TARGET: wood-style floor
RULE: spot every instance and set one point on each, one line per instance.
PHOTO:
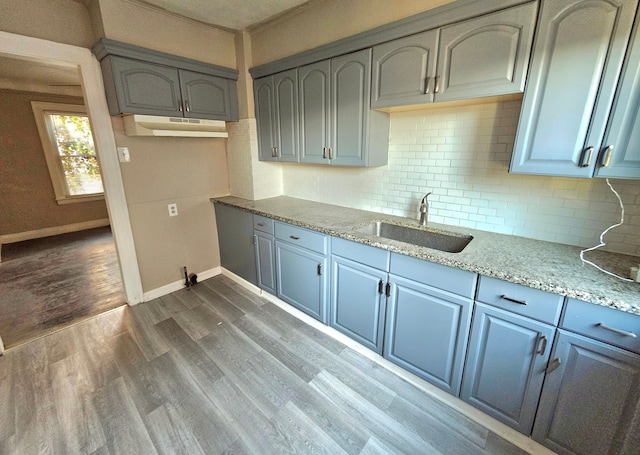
(211, 370)
(51, 282)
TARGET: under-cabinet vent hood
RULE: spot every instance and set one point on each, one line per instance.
(152, 125)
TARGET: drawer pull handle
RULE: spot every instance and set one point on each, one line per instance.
(261, 224)
(618, 331)
(294, 237)
(543, 348)
(509, 299)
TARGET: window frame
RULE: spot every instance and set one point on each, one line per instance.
(51, 153)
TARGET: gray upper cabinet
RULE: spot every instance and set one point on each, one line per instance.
(315, 112)
(403, 71)
(337, 125)
(485, 56)
(143, 81)
(576, 64)
(276, 100)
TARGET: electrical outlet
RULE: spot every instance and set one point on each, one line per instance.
(123, 154)
(173, 209)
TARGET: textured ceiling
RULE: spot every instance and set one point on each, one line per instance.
(231, 14)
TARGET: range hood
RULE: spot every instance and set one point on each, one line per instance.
(152, 125)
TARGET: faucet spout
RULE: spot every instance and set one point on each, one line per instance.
(424, 210)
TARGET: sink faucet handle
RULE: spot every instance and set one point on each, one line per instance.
(424, 199)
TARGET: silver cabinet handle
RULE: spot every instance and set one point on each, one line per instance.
(553, 365)
(273, 152)
(426, 85)
(330, 153)
(187, 107)
(436, 88)
(624, 333)
(324, 153)
(585, 160)
(255, 240)
(293, 237)
(319, 269)
(606, 156)
(276, 152)
(261, 224)
(511, 299)
(543, 348)
(180, 105)
(387, 290)
(380, 286)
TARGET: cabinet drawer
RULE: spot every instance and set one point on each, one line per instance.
(305, 238)
(263, 224)
(602, 323)
(533, 303)
(359, 252)
(461, 282)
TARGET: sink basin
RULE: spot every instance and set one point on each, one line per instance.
(438, 240)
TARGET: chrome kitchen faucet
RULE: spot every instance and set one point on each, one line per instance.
(424, 210)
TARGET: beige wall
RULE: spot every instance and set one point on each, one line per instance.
(326, 21)
(62, 21)
(28, 202)
(144, 26)
(185, 171)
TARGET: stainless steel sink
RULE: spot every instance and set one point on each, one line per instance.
(438, 240)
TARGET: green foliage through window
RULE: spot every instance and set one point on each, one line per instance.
(77, 154)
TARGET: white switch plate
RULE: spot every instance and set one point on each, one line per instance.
(123, 154)
(173, 209)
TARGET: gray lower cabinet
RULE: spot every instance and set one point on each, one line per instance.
(236, 241)
(484, 56)
(358, 300)
(575, 69)
(264, 240)
(428, 319)
(337, 125)
(590, 402)
(138, 87)
(301, 269)
(505, 364)
(276, 102)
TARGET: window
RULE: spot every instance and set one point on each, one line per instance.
(68, 146)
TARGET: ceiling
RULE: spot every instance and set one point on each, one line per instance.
(227, 14)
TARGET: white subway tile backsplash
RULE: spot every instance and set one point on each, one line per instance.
(462, 155)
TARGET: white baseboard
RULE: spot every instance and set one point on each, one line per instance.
(48, 232)
(177, 285)
(524, 442)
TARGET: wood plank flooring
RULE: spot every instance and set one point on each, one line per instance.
(51, 282)
(216, 370)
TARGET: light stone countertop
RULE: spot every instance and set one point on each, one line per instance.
(551, 267)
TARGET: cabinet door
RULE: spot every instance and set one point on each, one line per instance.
(505, 365)
(144, 88)
(427, 331)
(486, 56)
(235, 237)
(265, 118)
(207, 96)
(404, 70)
(358, 301)
(577, 57)
(302, 279)
(591, 403)
(265, 262)
(623, 132)
(350, 101)
(285, 86)
(314, 111)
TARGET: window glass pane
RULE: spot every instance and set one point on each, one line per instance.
(82, 175)
(77, 153)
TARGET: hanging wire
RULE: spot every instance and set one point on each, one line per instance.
(602, 242)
